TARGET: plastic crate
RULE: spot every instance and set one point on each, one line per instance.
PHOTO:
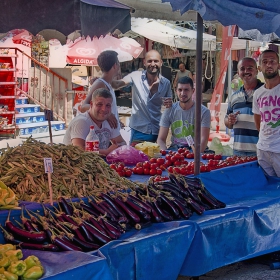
(33, 109)
(41, 129)
(22, 101)
(31, 119)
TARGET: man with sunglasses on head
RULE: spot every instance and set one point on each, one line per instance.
(239, 115)
(266, 108)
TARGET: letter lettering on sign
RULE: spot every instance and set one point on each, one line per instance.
(267, 116)
(272, 100)
(275, 114)
(264, 102)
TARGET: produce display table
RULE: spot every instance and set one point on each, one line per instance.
(247, 227)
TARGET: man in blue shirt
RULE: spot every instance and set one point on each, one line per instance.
(239, 115)
(150, 90)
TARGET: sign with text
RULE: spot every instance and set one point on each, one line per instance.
(48, 165)
(215, 105)
(189, 140)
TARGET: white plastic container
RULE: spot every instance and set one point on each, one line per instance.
(222, 114)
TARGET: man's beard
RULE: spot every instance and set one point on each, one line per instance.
(270, 75)
(150, 71)
(186, 101)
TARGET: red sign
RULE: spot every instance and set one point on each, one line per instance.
(216, 100)
(85, 51)
(23, 38)
(80, 96)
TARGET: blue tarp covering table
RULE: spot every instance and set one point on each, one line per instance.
(247, 227)
(71, 265)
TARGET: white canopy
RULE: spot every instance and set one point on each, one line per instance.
(240, 44)
(175, 36)
(170, 34)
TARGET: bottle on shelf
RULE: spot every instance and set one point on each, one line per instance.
(92, 141)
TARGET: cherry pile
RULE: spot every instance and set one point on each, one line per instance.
(229, 161)
(121, 169)
(175, 162)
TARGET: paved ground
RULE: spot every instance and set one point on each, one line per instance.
(253, 269)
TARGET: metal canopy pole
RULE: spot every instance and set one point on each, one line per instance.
(198, 89)
(229, 74)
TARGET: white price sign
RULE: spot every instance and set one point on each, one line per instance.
(48, 165)
(190, 140)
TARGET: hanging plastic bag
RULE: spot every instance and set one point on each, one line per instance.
(219, 148)
(126, 154)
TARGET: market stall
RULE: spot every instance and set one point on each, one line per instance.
(247, 227)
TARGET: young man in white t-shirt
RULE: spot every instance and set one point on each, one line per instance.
(181, 118)
(97, 115)
(110, 66)
(266, 109)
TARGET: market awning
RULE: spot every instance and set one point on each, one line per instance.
(92, 17)
(255, 34)
(249, 14)
(170, 34)
(175, 36)
(157, 10)
(86, 51)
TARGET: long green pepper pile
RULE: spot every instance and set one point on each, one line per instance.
(76, 173)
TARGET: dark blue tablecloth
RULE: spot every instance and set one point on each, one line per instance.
(247, 227)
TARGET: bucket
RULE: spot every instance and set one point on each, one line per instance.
(222, 136)
(25, 85)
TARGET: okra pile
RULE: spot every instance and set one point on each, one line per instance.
(76, 173)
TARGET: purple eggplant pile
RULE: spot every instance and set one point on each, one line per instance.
(182, 196)
(67, 227)
(89, 224)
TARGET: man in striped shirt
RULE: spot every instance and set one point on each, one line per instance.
(239, 115)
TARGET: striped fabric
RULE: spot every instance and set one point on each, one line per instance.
(245, 133)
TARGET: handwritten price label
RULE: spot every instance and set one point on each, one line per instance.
(48, 165)
(190, 140)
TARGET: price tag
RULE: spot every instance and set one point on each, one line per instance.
(48, 115)
(48, 165)
(190, 140)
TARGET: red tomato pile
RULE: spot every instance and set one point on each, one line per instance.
(174, 162)
(122, 170)
(183, 151)
(229, 161)
(153, 167)
(159, 178)
(211, 156)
